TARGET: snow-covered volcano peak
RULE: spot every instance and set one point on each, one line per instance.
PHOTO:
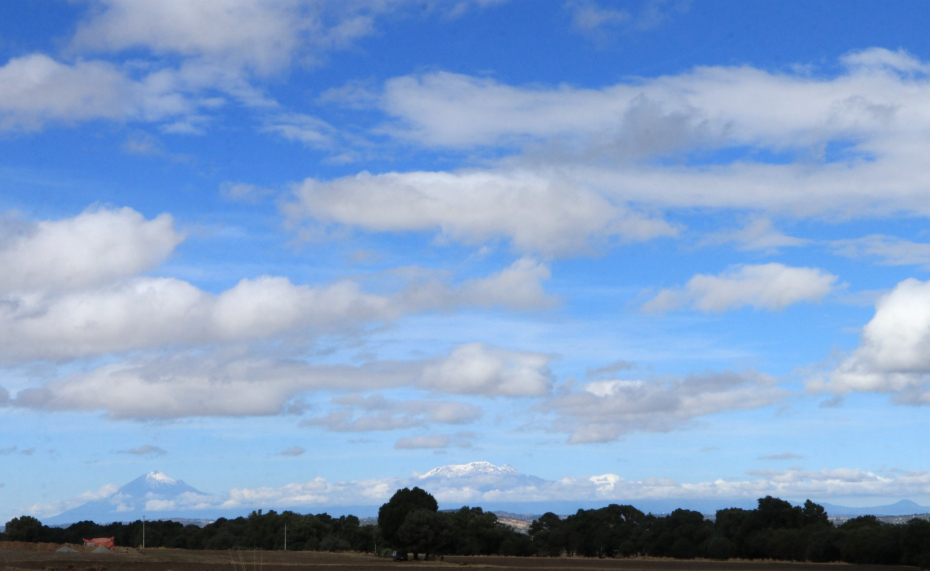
(156, 484)
(471, 469)
(156, 478)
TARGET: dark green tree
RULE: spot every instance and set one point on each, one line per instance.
(424, 531)
(23, 528)
(391, 516)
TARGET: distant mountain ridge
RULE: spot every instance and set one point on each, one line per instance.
(158, 496)
(900, 508)
(150, 493)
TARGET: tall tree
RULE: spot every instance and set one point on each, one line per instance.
(391, 516)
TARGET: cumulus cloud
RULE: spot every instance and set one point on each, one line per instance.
(518, 286)
(856, 138)
(480, 369)
(584, 173)
(604, 410)
(292, 451)
(36, 90)
(106, 319)
(429, 107)
(362, 414)
(766, 286)
(893, 355)
(72, 290)
(194, 385)
(536, 214)
(230, 383)
(94, 248)
(144, 450)
(221, 46)
(262, 34)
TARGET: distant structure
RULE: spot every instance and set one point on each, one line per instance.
(100, 542)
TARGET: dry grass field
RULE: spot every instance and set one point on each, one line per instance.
(21, 556)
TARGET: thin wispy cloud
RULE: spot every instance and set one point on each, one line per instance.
(144, 450)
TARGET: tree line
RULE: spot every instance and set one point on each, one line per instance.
(411, 522)
(259, 530)
(775, 530)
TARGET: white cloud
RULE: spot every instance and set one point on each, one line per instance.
(882, 59)
(479, 369)
(537, 214)
(766, 286)
(262, 35)
(227, 382)
(305, 129)
(519, 286)
(71, 291)
(889, 250)
(244, 192)
(588, 16)
(376, 413)
(35, 90)
(857, 139)
(718, 102)
(605, 410)
(197, 385)
(219, 45)
(93, 248)
(758, 234)
(106, 319)
(893, 355)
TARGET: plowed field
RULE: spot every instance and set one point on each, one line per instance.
(22, 556)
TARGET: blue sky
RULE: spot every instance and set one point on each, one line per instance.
(648, 249)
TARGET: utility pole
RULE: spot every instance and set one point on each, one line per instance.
(143, 532)
(285, 537)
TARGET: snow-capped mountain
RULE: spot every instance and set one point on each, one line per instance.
(157, 484)
(470, 470)
(476, 476)
(154, 494)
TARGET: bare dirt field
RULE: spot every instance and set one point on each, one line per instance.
(22, 556)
